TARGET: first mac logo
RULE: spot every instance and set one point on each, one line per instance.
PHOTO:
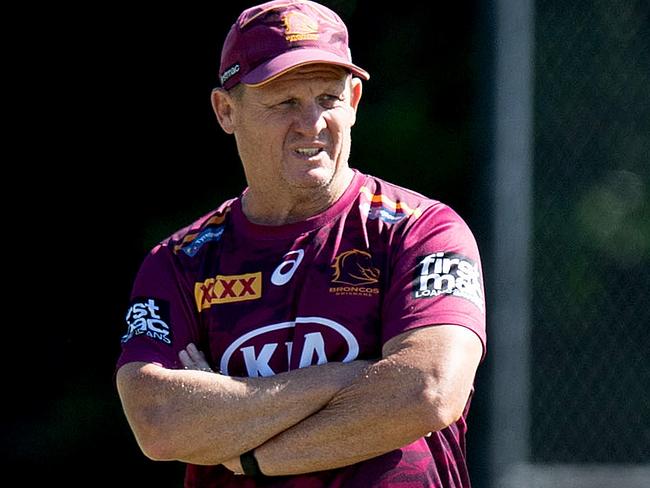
(149, 317)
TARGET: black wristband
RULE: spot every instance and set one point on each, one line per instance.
(249, 464)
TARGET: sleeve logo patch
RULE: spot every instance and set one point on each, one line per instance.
(149, 317)
(446, 273)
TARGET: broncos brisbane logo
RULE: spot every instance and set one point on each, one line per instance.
(355, 268)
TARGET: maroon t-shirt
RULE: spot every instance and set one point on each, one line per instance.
(260, 300)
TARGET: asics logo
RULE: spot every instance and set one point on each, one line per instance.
(284, 272)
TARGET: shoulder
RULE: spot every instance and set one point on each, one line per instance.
(411, 215)
(394, 204)
(190, 239)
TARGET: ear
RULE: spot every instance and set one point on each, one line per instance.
(223, 106)
(356, 89)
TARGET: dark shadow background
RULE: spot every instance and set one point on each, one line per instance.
(129, 151)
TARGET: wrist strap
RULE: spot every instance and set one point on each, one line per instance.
(249, 464)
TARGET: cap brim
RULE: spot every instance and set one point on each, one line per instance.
(279, 65)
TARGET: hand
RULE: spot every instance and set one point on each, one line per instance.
(234, 465)
(192, 358)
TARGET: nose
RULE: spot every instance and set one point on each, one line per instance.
(310, 119)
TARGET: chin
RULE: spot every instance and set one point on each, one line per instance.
(312, 178)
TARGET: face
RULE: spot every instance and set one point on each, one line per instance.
(293, 132)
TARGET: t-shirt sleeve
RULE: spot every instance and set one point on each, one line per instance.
(436, 276)
(161, 318)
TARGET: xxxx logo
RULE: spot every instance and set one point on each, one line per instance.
(226, 289)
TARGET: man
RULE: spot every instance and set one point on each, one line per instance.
(324, 328)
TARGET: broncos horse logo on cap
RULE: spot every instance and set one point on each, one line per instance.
(299, 27)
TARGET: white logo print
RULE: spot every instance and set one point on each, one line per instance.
(149, 317)
(282, 275)
(257, 354)
(447, 273)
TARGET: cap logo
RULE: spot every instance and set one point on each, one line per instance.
(230, 72)
(299, 27)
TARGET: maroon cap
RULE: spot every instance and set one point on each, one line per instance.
(274, 37)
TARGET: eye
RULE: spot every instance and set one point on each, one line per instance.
(289, 102)
(329, 101)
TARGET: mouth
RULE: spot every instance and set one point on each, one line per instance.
(308, 152)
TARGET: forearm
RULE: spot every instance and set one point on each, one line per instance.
(382, 410)
(207, 418)
(421, 385)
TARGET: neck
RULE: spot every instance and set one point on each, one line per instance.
(262, 206)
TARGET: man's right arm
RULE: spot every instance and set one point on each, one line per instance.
(202, 417)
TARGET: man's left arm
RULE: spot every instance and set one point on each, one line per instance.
(421, 385)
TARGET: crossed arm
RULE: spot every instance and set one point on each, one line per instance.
(311, 419)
